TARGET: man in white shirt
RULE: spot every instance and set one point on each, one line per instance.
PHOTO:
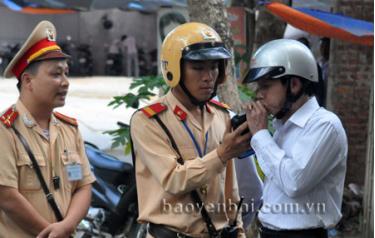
(131, 56)
(305, 160)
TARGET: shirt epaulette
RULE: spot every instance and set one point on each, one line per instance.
(154, 109)
(219, 104)
(9, 117)
(66, 119)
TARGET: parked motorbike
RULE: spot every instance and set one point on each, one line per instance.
(147, 62)
(113, 64)
(113, 211)
(81, 60)
(7, 52)
(69, 47)
(85, 62)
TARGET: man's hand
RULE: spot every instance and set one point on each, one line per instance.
(234, 144)
(256, 116)
(56, 230)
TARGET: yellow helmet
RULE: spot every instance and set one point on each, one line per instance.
(191, 41)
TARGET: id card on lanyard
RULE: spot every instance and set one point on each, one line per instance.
(74, 172)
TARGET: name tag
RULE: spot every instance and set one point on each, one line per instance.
(74, 172)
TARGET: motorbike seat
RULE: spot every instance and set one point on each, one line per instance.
(102, 160)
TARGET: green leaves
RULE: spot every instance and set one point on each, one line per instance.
(146, 87)
(241, 54)
(145, 90)
(120, 136)
(246, 94)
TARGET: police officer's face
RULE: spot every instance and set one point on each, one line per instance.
(271, 93)
(200, 78)
(50, 84)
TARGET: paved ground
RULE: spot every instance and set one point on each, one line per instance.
(87, 101)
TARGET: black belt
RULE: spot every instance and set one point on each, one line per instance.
(304, 233)
(161, 231)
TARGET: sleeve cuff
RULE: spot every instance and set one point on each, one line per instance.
(8, 183)
(85, 181)
(260, 139)
(258, 142)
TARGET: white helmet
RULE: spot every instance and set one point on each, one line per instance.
(284, 57)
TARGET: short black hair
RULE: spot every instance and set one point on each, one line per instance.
(31, 69)
(308, 86)
(304, 41)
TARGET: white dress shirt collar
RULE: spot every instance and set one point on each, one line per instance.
(302, 115)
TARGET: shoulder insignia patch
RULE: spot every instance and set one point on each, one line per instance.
(154, 109)
(219, 104)
(66, 119)
(9, 116)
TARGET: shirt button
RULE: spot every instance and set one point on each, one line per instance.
(204, 189)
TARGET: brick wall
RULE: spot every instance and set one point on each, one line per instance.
(350, 80)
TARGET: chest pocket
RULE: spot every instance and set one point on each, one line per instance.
(28, 180)
(69, 159)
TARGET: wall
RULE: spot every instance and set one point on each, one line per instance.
(141, 26)
(349, 84)
(84, 27)
(15, 27)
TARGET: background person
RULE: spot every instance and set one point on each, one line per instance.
(324, 65)
(130, 53)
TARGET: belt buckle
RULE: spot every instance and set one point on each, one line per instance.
(179, 235)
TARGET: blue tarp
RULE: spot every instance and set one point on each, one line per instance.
(354, 26)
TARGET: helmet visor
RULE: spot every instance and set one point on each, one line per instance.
(255, 74)
(206, 51)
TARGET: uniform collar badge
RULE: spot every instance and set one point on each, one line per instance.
(180, 113)
(27, 121)
(55, 121)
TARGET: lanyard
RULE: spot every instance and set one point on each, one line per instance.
(197, 147)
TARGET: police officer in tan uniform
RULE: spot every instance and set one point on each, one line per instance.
(193, 62)
(54, 139)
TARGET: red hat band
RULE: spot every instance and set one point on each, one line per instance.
(38, 49)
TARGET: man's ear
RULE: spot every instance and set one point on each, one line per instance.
(26, 80)
(295, 85)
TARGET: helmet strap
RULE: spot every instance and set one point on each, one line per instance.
(194, 100)
(290, 99)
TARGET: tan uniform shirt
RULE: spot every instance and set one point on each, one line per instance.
(64, 147)
(164, 186)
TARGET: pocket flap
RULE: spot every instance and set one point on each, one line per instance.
(24, 159)
(70, 157)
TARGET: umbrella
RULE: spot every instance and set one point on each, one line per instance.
(325, 24)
